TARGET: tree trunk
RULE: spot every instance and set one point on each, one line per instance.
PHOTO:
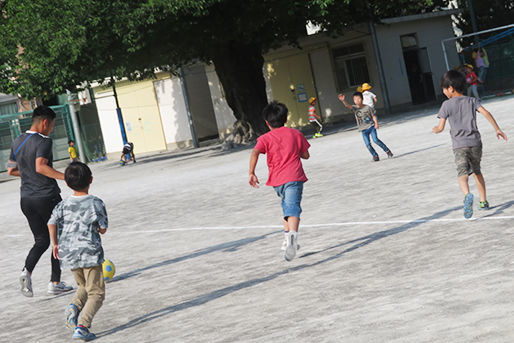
(239, 68)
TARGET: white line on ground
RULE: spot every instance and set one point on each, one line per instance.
(305, 226)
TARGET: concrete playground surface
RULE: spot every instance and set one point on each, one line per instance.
(386, 255)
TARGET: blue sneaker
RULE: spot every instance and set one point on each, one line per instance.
(83, 334)
(71, 313)
(468, 205)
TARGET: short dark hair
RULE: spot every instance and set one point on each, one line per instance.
(43, 112)
(359, 94)
(71, 141)
(77, 175)
(455, 79)
(275, 113)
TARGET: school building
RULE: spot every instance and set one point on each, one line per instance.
(412, 63)
(155, 110)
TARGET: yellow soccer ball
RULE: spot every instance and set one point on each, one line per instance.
(108, 269)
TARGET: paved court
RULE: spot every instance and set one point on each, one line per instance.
(385, 256)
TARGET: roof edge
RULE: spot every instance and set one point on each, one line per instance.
(413, 17)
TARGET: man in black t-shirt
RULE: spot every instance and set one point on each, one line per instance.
(31, 159)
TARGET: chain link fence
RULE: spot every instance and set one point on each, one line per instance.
(12, 125)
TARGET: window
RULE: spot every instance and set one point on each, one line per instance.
(351, 66)
(409, 41)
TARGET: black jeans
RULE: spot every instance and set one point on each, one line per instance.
(38, 211)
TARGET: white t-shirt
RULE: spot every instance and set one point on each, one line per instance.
(369, 99)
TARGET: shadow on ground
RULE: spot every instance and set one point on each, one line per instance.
(418, 150)
(205, 298)
(228, 247)
(498, 209)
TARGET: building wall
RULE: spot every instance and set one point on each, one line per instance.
(200, 103)
(225, 118)
(140, 112)
(292, 83)
(429, 32)
(109, 121)
(322, 69)
(172, 108)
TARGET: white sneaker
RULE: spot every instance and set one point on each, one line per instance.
(61, 287)
(26, 283)
(284, 245)
(291, 248)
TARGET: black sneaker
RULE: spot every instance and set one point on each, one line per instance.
(389, 154)
(376, 158)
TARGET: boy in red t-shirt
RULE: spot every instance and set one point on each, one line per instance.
(284, 147)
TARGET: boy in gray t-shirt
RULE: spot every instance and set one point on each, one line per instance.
(460, 111)
(367, 122)
(75, 227)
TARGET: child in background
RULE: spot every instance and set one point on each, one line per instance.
(369, 98)
(75, 227)
(471, 80)
(461, 111)
(284, 147)
(72, 151)
(481, 62)
(313, 118)
(128, 150)
(367, 123)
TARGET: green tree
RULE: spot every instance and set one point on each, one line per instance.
(489, 14)
(66, 42)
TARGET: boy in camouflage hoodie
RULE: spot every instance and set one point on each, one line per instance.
(75, 227)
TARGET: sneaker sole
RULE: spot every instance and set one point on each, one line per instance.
(468, 206)
(57, 292)
(25, 290)
(290, 250)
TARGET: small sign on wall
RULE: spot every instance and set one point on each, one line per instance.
(302, 97)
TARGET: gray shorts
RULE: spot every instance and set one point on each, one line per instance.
(468, 160)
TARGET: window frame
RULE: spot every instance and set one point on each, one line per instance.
(344, 59)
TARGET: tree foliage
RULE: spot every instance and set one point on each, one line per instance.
(66, 42)
(489, 14)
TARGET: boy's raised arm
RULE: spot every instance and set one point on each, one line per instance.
(490, 118)
(252, 179)
(341, 98)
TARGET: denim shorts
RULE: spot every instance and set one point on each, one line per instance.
(291, 195)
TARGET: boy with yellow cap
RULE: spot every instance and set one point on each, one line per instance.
(313, 118)
(370, 98)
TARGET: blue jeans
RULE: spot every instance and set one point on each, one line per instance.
(482, 73)
(373, 132)
(291, 194)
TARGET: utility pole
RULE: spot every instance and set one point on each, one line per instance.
(118, 111)
(76, 129)
(380, 67)
(473, 19)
